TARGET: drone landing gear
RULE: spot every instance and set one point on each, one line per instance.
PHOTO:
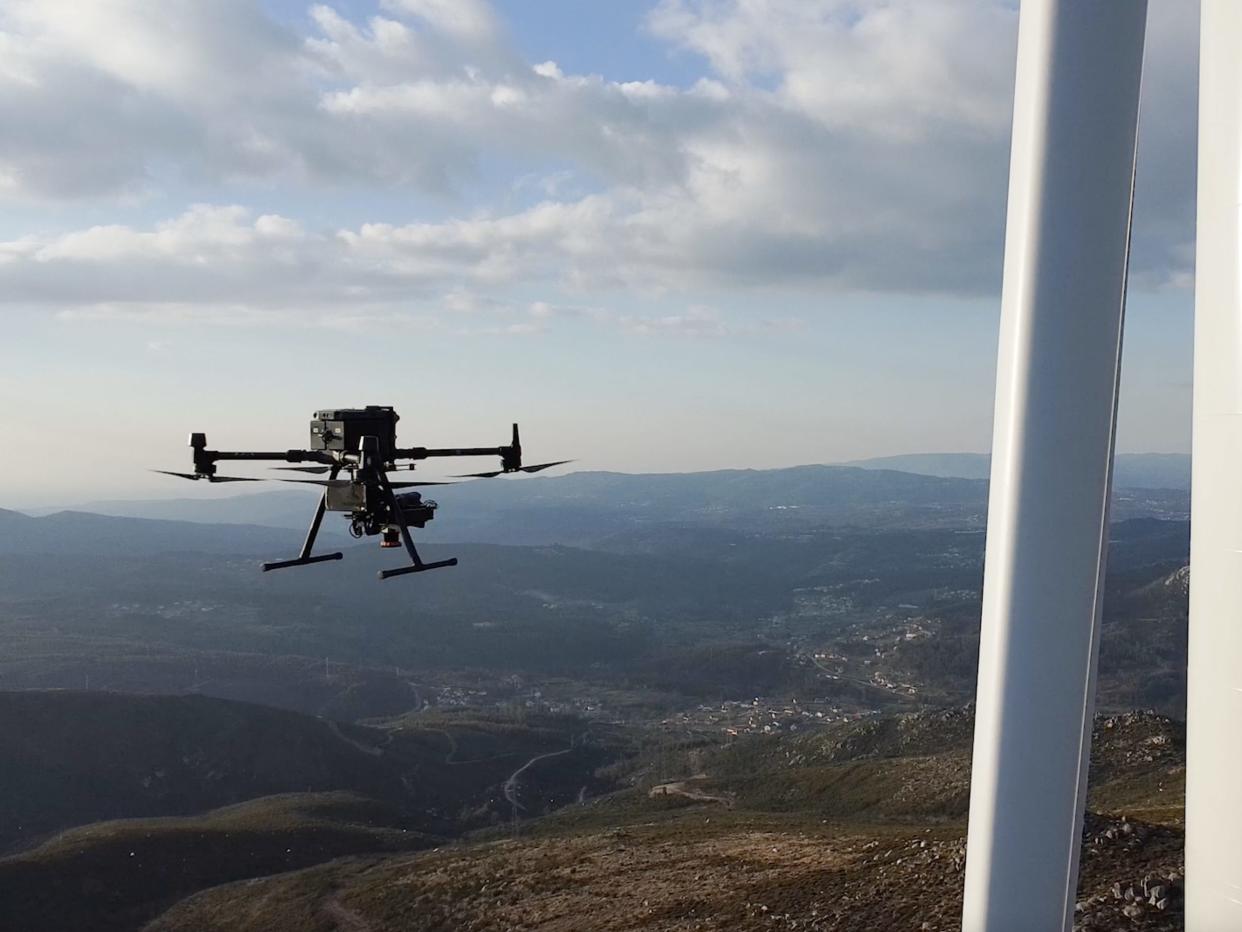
(417, 568)
(416, 565)
(301, 561)
(304, 558)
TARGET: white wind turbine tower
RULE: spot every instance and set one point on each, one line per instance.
(1071, 182)
(1066, 253)
(1214, 674)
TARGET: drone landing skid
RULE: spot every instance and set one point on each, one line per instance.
(301, 561)
(417, 568)
(416, 562)
(305, 558)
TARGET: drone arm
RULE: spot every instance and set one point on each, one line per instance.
(288, 456)
(205, 460)
(422, 453)
(510, 456)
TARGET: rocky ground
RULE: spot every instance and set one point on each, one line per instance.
(755, 843)
(1131, 876)
(695, 873)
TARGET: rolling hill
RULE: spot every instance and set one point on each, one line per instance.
(77, 532)
(71, 758)
(659, 605)
(113, 876)
(115, 806)
(585, 507)
(1132, 470)
(857, 828)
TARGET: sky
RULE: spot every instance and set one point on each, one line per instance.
(663, 235)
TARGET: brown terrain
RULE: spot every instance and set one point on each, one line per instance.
(855, 828)
(694, 873)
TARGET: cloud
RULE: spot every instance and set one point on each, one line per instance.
(837, 144)
(471, 21)
(700, 321)
(697, 321)
(222, 266)
(208, 254)
(903, 69)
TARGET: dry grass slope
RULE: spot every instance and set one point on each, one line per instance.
(857, 828)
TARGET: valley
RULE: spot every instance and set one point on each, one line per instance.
(757, 715)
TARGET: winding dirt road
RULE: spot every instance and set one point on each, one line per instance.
(511, 785)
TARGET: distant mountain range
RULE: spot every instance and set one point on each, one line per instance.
(66, 532)
(585, 508)
(281, 507)
(1133, 470)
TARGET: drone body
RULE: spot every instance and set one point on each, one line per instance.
(361, 443)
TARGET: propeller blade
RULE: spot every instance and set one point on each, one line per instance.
(318, 470)
(196, 476)
(539, 467)
(326, 483)
(342, 483)
(543, 466)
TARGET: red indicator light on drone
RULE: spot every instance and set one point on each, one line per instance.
(390, 537)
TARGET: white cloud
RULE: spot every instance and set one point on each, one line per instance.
(220, 266)
(902, 68)
(208, 254)
(697, 321)
(701, 321)
(830, 144)
(468, 20)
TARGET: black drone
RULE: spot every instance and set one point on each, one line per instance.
(363, 443)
